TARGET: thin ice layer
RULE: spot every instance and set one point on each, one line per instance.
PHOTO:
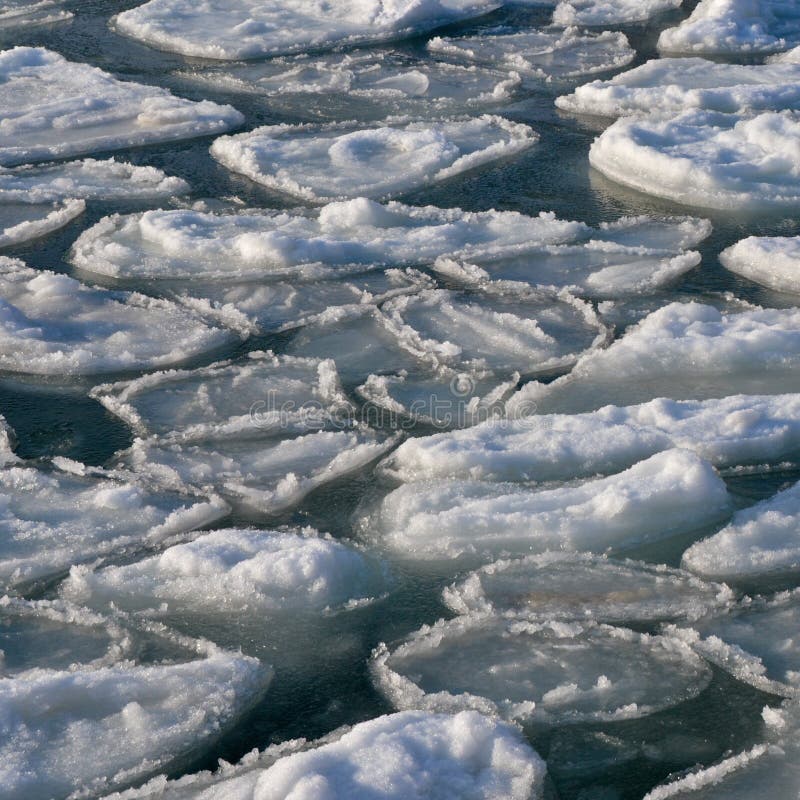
(735, 430)
(679, 84)
(540, 55)
(51, 324)
(22, 221)
(728, 27)
(56, 108)
(25, 13)
(333, 162)
(707, 159)
(557, 673)
(231, 29)
(773, 261)
(95, 730)
(410, 754)
(52, 519)
(578, 586)
(610, 12)
(759, 541)
(670, 493)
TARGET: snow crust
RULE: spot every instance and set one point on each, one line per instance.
(773, 261)
(605, 12)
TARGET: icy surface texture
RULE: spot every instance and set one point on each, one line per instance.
(609, 12)
(26, 13)
(773, 261)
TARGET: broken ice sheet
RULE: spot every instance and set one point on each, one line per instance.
(604, 12)
(320, 163)
(539, 55)
(554, 673)
(26, 13)
(579, 586)
(54, 108)
(772, 261)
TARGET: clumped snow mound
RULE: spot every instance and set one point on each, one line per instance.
(57, 108)
(232, 29)
(554, 672)
(728, 27)
(609, 12)
(773, 261)
(707, 159)
(320, 163)
(680, 84)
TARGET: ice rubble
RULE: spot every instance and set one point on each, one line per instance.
(579, 586)
(609, 12)
(23, 13)
(540, 55)
(235, 570)
(55, 518)
(735, 27)
(683, 350)
(94, 730)
(404, 755)
(705, 158)
(554, 672)
(51, 324)
(732, 431)
(56, 108)
(679, 84)
(232, 29)
(320, 163)
(773, 261)
(670, 493)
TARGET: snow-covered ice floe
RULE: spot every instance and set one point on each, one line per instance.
(576, 586)
(707, 159)
(59, 517)
(553, 672)
(603, 12)
(683, 350)
(773, 261)
(51, 324)
(680, 84)
(760, 541)
(668, 494)
(227, 571)
(91, 730)
(540, 55)
(409, 754)
(54, 108)
(732, 27)
(319, 163)
(25, 13)
(233, 29)
(731, 431)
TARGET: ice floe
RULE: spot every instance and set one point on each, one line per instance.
(579, 586)
(404, 755)
(735, 27)
(540, 55)
(319, 163)
(56, 108)
(223, 29)
(773, 261)
(670, 493)
(51, 324)
(553, 672)
(704, 158)
(25, 13)
(604, 12)
(55, 518)
(680, 84)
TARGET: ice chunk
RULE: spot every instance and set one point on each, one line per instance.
(332, 162)
(54, 108)
(92, 730)
(609, 12)
(670, 493)
(557, 673)
(679, 84)
(7, 444)
(735, 26)
(226, 571)
(231, 29)
(400, 756)
(773, 261)
(706, 159)
(760, 540)
(21, 221)
(736, 430)
(540, 55)
(51, 324)
(575, 586)
(24, 13)
(52, 519)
